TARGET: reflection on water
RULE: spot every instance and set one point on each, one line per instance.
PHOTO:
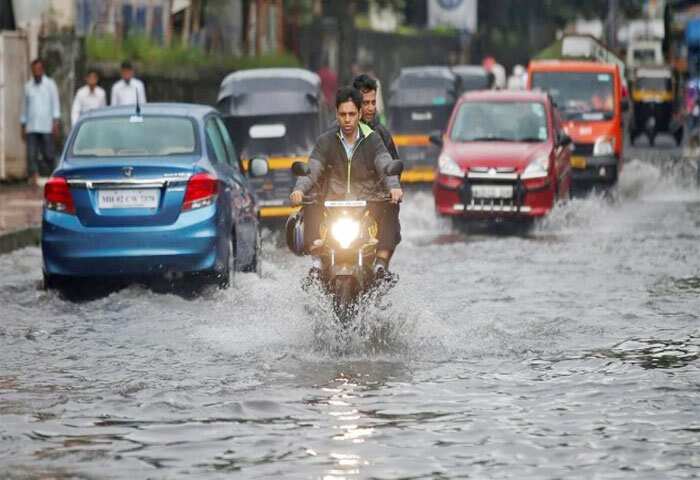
(653, 353)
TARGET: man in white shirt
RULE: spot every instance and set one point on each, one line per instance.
(88, 97)
(127, 90)
(41, 112)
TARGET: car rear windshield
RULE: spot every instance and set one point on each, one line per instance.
(124, 136)
(579, 96)
(484, 121)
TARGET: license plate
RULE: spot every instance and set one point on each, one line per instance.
(492, 191)
(131, 198)
(578, 162)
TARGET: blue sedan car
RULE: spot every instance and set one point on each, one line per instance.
(155, 190)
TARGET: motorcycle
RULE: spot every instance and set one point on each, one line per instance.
(347, 247)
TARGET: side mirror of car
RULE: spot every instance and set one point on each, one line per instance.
(564, 140)
(300, 169)
(625, 104)
(436, 139)
(258, 167)
(394, 169)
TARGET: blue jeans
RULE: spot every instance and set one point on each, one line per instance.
(40, 153)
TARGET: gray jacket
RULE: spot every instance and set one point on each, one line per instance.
(361, 176)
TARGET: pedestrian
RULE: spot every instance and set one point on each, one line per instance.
(88, 97)
(329, 82)
(129, 90)
(41, 113)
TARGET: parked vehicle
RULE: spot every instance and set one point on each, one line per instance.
(642, 53)
(504, 156)
(347, 247)
(655, 108)
(472, 77)
(589, 97)
(155, 190)
(276, 113)
(419, 105)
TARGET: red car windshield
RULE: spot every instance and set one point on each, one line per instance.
(579, 96)
(493, 121)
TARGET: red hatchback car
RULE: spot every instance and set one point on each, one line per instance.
(504, 156)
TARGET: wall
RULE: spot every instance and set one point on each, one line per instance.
(13, 75)
(383, 53)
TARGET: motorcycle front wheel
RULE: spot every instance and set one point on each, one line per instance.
(345, 298)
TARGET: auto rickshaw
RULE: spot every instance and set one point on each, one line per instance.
(420, 103)
(276, 113)
(473, 77)
(655, 107)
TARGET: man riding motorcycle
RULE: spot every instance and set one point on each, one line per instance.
(350, 160)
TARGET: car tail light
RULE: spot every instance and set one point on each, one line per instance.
(202, 189)
(57, 195)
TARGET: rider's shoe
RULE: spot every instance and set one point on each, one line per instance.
(382, 273)
(314, 275)
(381, 269)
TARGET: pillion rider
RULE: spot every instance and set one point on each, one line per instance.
(351, 160)
(368, 87)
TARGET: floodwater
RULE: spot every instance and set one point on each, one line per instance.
(570, 352)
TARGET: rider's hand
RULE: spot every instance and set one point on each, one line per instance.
(396, 195)
(296, 197)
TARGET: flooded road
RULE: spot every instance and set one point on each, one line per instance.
(571, 352)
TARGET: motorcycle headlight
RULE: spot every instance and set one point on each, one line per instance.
(603, 146)
(345, 231)
(538, 168)
(447, 166)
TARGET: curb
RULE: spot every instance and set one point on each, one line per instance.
(19, 239)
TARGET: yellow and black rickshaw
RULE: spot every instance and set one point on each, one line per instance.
(276, 113)
(655, 105)
(420, 104)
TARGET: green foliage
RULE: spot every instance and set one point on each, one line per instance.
(155, 57)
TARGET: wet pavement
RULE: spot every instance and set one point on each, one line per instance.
(20, 207)
(569, 352)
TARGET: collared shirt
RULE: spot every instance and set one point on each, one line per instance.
(41, 106)
(348, 147)
(126, 94)
(86, 100)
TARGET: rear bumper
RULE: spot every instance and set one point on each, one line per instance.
(598, 169)
(191, 244)
(420, 159)
(531, 201)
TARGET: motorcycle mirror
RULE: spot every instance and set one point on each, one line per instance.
(395, 168)
(300, 169)
(258, 167)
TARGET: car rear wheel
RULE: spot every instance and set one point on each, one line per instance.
(53, 282)
(225, 278)
(254, 265)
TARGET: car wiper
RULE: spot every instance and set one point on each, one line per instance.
(530, 139)
(489, 139)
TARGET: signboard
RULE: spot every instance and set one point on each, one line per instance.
(459, 14)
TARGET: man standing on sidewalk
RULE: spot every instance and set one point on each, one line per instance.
(41, 112)
(128, 90)
(88, 97)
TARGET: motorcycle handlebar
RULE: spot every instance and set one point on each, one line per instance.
(313, 200)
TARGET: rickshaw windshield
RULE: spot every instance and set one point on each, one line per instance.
(579, 95)
(653, 83)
